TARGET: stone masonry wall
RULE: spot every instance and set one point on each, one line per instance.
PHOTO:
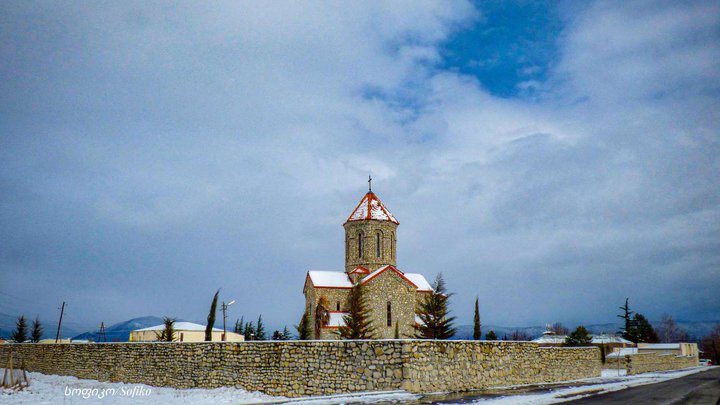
(648, 362)
(299, 368)
(369, 229)
(390, 287)
(466, 365)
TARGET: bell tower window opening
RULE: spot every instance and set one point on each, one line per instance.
(389, 313)
(378, 241)
(360, 245)
(392, 244)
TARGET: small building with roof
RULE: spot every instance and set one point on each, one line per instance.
(370, 260)
(680, 349)
(184, 332)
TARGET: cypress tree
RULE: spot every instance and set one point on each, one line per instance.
(260, 330)
(249, 331)
(303, 327)
(436, 324)
(357, 322)
(20, 333)
(239, 325)
(477, 331)
(491, 335)
(397, 330)
(286, 333)
(211, 317)
(37, 330)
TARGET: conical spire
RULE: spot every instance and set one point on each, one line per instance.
(371, 208)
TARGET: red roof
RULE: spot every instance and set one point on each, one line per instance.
(371, 208)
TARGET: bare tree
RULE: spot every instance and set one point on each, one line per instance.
(669, 331)
(711, 344)
(520, 335)
(559, 329)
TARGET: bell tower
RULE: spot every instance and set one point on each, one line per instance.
(370, 234)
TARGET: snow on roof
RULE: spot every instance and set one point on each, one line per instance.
(178, 326)
(400, 273)
(622, 352)
(374, 273)
(336, 319)
(606, 338)
(360, 269)
(419, 280)
(371, 207)
(336, 279)
(659, 346)
(551, 339)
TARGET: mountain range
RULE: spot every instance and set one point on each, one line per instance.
(120, 332)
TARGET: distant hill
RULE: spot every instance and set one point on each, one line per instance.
(120, 332)
(696, 329)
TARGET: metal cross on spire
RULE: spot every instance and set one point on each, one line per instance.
(369, 184)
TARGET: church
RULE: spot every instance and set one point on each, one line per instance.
(393, 296)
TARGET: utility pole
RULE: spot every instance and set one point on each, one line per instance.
(62, 310)
(224, 307)
(102, 334)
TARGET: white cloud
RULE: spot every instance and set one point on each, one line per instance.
(225, 145)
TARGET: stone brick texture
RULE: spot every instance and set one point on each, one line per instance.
(301, 368)
(369, 259)
(386, 287)
(648, 362)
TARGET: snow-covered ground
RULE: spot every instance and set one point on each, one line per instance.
(53, 389)
(608, 382)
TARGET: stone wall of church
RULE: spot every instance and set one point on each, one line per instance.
(369, 259)
(334, 297)
(390, 287)
(300, 368)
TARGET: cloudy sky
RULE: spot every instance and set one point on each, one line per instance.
(551, 158)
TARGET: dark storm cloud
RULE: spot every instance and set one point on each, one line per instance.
(153, 153)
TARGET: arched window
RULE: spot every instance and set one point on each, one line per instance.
(392, 245)
(389, 314)
(360, 245)
(378, 242)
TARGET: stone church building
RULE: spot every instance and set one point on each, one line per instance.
(370, 259)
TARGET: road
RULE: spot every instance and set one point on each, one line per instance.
(699, 388)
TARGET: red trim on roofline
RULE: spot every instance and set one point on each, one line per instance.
(390, 266)
(361, 270)
(356, 208)
(368, 217)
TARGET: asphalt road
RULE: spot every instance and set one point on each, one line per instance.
(699, 388)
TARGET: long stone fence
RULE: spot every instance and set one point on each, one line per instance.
(647, 362)
(300, 368)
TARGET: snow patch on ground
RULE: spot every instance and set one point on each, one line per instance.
(54, 389)
(608, 382)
